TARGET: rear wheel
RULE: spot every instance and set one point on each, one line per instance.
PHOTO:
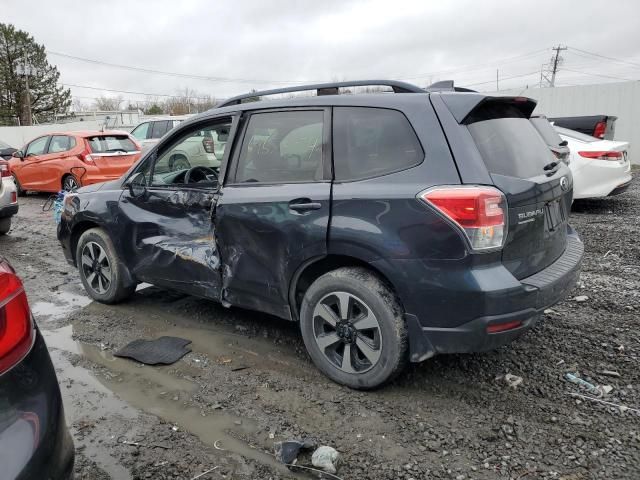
(353, 329)
(101, 271)
(70, 183)
(21, 192)
(178, 162)
(5, 225)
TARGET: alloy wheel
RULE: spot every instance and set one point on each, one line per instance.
(347, 332)
(96, 267)
(70, 184)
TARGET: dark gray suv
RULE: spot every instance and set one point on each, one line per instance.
(392, 227)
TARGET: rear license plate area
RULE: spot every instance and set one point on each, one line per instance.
(554, 215)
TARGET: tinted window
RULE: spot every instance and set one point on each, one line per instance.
(546, 131)
(160, 128)
(111, 144)
(369, 142)
(508, 142)
(61, 143)
(282, 147)
(140, 132)
(37, 146)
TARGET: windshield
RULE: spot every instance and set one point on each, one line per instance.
(508, 142)
(111, 144)
(581, 137)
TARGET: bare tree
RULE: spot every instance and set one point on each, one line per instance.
(77, 105)
(108, 103)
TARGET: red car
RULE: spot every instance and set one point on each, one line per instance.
(69, 160)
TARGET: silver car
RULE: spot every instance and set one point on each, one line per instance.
(8, 198)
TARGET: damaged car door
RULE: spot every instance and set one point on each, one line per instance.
(273, 213)
(167, 213)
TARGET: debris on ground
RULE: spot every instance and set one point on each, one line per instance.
(513, 380)
(164, 350)
(581, 298)
(599, 390)
(622, 408)
(287, 451)
(326, 458)
(610, 373)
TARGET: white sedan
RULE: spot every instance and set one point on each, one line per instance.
(600, 168)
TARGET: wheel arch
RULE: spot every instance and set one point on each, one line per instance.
(77, 231)
(314, 268)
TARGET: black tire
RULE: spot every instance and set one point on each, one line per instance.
(368, 297)
(70, 183)
(178, 162)
(21, 192)
(113, 291)
(5, 225)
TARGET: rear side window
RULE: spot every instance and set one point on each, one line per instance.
(546, 131)
(507, 141)
(282, 147)
(160, 128)
(111, 144)
(370, 142)
(61, 143)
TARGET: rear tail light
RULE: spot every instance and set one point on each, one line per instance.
(602, 155)
(16, 328)
(4, 170)
(503, 327)
(480, 212)
(14, 197)
(208, 145)
(85, 155)
(600, 129)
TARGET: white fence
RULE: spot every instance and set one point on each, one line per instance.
(17, 137)
(619, 99)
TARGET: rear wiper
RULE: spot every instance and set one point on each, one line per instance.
(550, 166)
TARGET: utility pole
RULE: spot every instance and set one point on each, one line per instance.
(549, 70)
(26, 71)
(497, 85)
(556, 61)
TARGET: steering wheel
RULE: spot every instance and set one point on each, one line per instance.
(200, 173)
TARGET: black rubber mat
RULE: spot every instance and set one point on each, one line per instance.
(164, 350)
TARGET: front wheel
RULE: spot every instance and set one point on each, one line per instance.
(20, 191)
(101, 272)
(5, 225)
(353, 328)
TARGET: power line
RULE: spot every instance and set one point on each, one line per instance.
(613, 59)
(130, 92)
(502, 79)
(599, 75)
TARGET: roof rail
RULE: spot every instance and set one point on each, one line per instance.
(327, 89)
(447, 86)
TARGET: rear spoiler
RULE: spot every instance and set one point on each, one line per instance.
(464, 106)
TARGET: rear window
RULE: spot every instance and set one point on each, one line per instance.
(111, 144)
(508, 143)
(546, 131)
(370, 142)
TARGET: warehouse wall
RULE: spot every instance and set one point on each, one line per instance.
(619, 99)
(17, 137)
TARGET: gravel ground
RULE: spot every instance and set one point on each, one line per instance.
(249, 382)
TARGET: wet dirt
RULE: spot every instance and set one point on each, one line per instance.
(248, 381)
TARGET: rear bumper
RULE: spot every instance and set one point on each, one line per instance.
(7, 189)
(599, 178)
(621, 188)
(8, 210)
(525, 301)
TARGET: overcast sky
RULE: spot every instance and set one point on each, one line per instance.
(262, 43)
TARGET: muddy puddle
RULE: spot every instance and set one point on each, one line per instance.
(62, 304)
(154, 390)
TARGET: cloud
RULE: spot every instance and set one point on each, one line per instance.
(262, 43)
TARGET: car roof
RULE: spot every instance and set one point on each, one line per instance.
(89, 133)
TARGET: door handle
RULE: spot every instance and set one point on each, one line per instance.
(303, 206)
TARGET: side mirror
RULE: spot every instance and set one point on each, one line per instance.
(137, 185)
(18, 154)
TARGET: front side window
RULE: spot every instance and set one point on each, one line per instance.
(200, 150)
(282, 147)
(141, 131)
(61, 143)
(37, 146)
(370, 142)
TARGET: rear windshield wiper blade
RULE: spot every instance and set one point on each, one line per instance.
(550, 166)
